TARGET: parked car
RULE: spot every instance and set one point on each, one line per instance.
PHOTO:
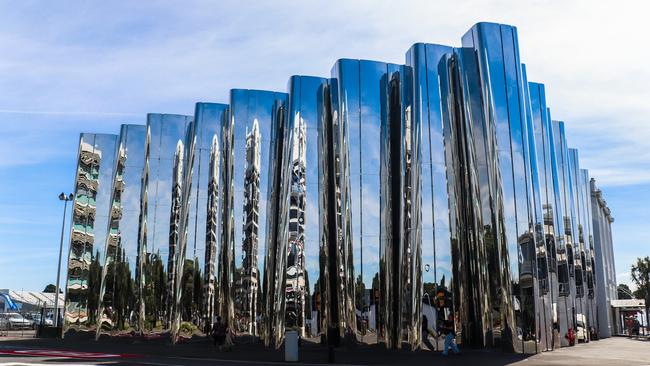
(581, 329)
(37, 320)
(15, 321)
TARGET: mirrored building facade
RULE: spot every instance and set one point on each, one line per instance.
(88, 232)
(376, 205)
(604, 266)
(119, 292)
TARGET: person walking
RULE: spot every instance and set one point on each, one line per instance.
(219, 333)
(450, 337)
(425, 333)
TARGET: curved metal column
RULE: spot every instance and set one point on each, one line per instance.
(119, 294)
(91, 211)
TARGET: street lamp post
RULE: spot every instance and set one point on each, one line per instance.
(65, 199)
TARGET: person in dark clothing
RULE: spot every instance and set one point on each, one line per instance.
(219, 331)
(425, 333)
(450, 337)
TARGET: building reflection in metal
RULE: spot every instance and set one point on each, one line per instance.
(582, 268)
(564, 299)
(542, 302)
(90, 220)
(566, 267)
(354, 208)
(579, 268)
(587, 254)
(275, 264)
(589, 265)
(548, 280)
(303, 296)
(254, 117)
(195, 278)
(160, 224)
(119, 288)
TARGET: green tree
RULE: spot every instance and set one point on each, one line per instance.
(641, 277)
(189, 304)
(50, 289)
(94, 282)
(624, 291)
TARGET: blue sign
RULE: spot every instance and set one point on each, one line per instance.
(12, 305)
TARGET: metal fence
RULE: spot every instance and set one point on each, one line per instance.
(25, 324)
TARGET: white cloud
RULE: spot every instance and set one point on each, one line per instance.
(133, 58)
(94, 65)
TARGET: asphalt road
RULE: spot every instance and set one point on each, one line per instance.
(613, 351)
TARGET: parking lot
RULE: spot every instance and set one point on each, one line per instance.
(20, 333)
(15, 325)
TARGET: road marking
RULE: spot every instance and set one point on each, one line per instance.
(34, 364)
(61, 354)
(156, 363)
(247, 362)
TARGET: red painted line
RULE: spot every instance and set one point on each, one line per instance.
(64, 354)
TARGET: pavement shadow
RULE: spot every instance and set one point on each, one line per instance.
(247, 349)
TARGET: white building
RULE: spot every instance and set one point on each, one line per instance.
(605, 268)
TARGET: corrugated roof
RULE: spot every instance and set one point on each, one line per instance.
(35, 298)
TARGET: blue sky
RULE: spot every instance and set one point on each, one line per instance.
(68, 67)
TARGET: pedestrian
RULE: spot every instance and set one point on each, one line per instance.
(219, 331)
(425, 333)
(571, 337)
(450, 337)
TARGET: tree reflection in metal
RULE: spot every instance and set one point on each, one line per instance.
(357, 208)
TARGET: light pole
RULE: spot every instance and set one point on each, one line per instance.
(65, 199)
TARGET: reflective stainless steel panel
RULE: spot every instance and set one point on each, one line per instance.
(335, 246)
(548, 283)
(468, 151)
(304, 211)
(500, 69)
(543, 303)
(160, 224)
(279, 205)
(437, 263)
(494, 183)
(372, 101)
(580, 254)
(90, 220)
(564, 300)
(119, 296)
(302, 148)
(401, 204)
(253, 127)
(345, 112)
(196, 255)
(589, 251)
(566, 278)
